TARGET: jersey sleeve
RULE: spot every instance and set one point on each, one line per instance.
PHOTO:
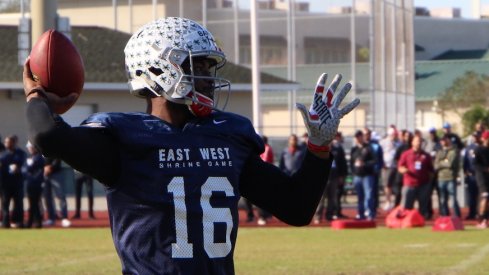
(87, 149)
(292, 199)
(105, 121)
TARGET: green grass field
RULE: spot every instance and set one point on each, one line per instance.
(312, 250)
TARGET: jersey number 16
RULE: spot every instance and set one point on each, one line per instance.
(182, 248)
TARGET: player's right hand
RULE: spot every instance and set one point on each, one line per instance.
(34, 89)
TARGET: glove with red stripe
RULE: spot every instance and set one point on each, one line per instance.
(323, 118)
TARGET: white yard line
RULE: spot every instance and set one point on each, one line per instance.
(475, 258)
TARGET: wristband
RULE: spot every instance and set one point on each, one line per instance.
(317, 148)
(37, 90)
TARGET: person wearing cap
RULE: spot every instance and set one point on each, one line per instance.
(455, 139)
(416, 167)
(389, 146)
(33, 171)
(447, 167)
(481, 164)
(432, 144)
(469, 173)
(362, 163)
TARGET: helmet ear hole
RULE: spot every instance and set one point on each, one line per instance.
(186, 66)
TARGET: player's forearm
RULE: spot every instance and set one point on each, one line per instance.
(292, 199)
(304, 190)
(87, 150)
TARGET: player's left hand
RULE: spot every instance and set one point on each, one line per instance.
(323, 117)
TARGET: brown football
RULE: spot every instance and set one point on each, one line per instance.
(57, 65)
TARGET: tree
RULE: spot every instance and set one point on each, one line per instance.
(465, 91)
(476, 114)
(363, 54)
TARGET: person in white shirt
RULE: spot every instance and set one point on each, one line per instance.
(389, 146)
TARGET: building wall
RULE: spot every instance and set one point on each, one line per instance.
(427, 116)
(142, 12)
(12, 115)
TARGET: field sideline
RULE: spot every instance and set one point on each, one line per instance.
(286, 250)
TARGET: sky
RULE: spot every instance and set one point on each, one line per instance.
(318, 5)
(323, 5)
(464, 5)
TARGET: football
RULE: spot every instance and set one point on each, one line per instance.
(57, 65)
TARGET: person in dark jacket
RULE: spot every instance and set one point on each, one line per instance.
(339, 169)
(469, 173)
(11, 161)
(481, 163)
(362, 163)
(292, 156)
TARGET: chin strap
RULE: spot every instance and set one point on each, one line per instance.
(200, 105)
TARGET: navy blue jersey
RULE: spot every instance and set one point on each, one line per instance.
(11, 167)
(33, 170)
(172, 192)
(174, 207)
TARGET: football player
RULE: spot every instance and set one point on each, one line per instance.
(175, 173)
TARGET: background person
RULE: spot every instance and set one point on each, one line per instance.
(389, 146)
(268, 157)
(406, 140)
(330, 201)
(481, 164)
(11, 161)
(362, 163)
(379, 162)
(416, 167)
(33, 171)
(54, 184)
(447, 167)
(454, 138)
(82, 179)
(469, 173)
(432, 146)
(292, 156)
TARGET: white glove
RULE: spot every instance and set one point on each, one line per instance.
(323, 118)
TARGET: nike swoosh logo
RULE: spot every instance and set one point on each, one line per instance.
(218, 121)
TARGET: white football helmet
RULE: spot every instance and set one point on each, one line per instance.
(154, 57)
